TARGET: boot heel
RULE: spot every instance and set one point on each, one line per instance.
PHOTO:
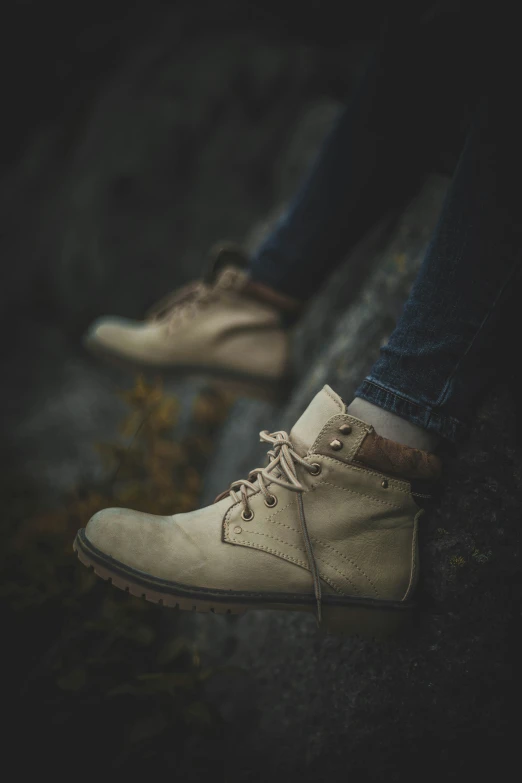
(365, 622)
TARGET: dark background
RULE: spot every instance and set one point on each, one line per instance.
(132, 137)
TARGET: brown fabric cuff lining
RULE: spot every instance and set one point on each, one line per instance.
(395, 459)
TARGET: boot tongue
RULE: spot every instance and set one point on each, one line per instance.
(324, 405)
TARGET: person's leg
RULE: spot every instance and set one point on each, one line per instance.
(407, 105)
(331, 523)
(442, 353)
(235, 323)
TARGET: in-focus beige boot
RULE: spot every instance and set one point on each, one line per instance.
(224, 326)
(329, 526)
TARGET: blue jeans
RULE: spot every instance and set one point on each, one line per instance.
(440, 356)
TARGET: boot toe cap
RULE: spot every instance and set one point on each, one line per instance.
(149, 543)
(109, 332)
(115, 531)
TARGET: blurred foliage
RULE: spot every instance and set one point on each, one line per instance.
(83, 648)
(457, 561)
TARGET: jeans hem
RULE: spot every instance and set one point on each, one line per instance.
(423, 416)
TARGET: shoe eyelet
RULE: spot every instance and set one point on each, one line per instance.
(247, 517)
(316, 469)
(272, 503)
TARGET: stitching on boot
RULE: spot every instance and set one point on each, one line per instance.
(326, 579)
(226, 522)
(333, 398)
(329, 546)
(274, 538)
(353, 451)
(320, 559)
(349, 560)
(362, 495)
(282, 524)
(322, 543)
(274, 552)
(227, 537)
(399, 484)
(271, 517)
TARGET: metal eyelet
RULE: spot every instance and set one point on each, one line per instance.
(247, 517)
(272, 503)
(316, 469)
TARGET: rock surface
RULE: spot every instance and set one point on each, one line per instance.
(383, 708)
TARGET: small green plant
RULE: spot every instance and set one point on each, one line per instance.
(481, 557)
(457, 561)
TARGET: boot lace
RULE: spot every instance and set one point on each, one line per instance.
(187, 301)
(281, 470)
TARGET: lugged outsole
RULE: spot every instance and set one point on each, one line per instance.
(173, 602)
(353, 619)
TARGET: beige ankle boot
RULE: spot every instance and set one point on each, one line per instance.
(329, 526)
(224, 326)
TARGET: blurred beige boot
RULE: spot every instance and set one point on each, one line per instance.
(329, 526)
(224, 326)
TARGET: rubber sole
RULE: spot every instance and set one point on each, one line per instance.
(229, 381)
(362, 617)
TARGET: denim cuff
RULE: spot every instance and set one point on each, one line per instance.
(423, 416)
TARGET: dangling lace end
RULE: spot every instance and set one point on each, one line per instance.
(311, 558)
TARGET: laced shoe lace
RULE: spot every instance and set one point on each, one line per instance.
(281, 470)
(187, 301)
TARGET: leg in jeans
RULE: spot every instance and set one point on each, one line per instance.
(375, 157)
(234, 325)
(441, 355)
